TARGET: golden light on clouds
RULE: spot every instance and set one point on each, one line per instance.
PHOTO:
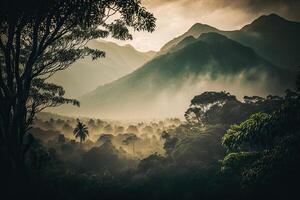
(174, 17)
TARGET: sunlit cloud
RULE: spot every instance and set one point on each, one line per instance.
(174, 17)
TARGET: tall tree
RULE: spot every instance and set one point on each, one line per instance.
(81, 131)
(263, 151)
(210, 108)
(104, 138)
(39, 38)
(131, 139)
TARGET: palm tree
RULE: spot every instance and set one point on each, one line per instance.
(81, 131)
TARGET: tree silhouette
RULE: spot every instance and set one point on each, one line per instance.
(131, 139)
(264, 149)
(224, 108)
(105, 138)
(203, 103)
(108, 129)
(39, 38)
(81, 131)
(132, 129)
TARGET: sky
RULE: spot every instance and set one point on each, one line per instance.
(174, 17)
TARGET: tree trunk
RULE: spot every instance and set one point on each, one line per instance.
(13, 129)
(133, 152)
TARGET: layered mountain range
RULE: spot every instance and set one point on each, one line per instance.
(259, 59)
(86, 74)
(271, 36)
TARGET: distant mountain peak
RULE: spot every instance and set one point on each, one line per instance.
(179, 72)
(199, 25)
(274, 16)
(202, 27)
(266, 21)
(196, 30)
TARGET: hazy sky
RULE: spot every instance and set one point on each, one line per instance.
(174, 17)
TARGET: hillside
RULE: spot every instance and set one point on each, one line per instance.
(164, 85)
(85, 75)
(271, 36)
(195, 31)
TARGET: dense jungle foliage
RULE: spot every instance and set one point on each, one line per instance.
(226, 149)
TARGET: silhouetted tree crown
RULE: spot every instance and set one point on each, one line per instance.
(39, 38)
(222, 107)
(81, 131)
(130, 139)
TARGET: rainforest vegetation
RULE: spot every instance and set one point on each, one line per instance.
(222, 146)
(225, 148)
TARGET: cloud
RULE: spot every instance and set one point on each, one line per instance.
(174, 17)
(284, 5)
(287, 8)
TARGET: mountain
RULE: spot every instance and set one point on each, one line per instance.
(271, 36)
(275, 38)
(165, 85)
(85, 75)
(195, 31)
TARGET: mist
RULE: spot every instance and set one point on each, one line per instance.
(149, 99)
(173, 101)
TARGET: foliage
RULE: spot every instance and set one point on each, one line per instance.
(81, 131)
(263, 149)
(201, 104)
(131, 139)
(253, 134)
(257, 153)
(43, 95)
(210, 108)
(105, 138)
(103, 159)
(39, 38)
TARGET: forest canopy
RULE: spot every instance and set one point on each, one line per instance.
(40, 38)
(221, 147)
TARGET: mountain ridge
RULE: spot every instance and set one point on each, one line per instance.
(193, 31)
(271, 36)
(119, 61)
(167, 75)
(204, 60)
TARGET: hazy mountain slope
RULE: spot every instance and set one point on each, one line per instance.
(272, 37)
(196, 30)
(165, 85)
(85, 75)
